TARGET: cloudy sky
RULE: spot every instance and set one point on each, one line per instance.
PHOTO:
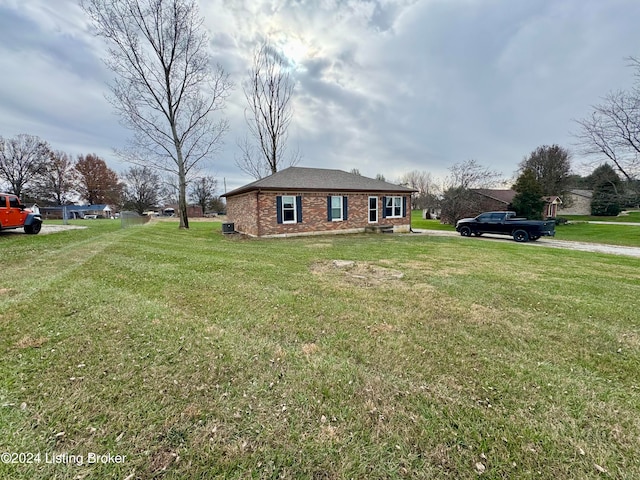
(385, 86)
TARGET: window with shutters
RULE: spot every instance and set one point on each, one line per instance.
(393, 207)
(288, 209)
(336, 208)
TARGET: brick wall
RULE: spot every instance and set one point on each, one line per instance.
(243, 209)
(576, 205)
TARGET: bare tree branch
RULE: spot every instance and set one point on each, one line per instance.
(164, 90)
(612, 130)
(22, 159)
(269, 93)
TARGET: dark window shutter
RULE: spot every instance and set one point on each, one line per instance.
(329, 218)
(299, 208)
(279, 208)
(404, 206)
(384, 207)
(344, 208)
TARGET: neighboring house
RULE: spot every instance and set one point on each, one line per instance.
(577, 202)
(490, 199)
(493, 200)
(77, 211)
(303, 201)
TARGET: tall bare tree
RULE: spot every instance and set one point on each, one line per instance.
(58, 179)
(269, 92)
(22, 159)
(165, 90)
(613, 129)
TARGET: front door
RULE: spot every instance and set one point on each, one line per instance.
(373, 209)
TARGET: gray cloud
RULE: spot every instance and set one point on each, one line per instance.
(385, 86)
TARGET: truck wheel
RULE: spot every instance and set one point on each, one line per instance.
(521, 236)
(534, 238)
(465, 231)
(33, 229)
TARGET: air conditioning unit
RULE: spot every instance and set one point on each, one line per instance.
(228, 228)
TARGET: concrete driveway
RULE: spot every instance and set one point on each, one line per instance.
(544, 242)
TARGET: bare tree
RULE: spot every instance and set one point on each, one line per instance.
(613, 129)
(269, 92)
(251, 162)
(58, 179)
(165, 91)
(142, 189)
(458, 199)
(22, 159)
(425, 197)
(203, 191)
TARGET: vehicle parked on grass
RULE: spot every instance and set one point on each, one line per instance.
(506, 223)
(14, 214)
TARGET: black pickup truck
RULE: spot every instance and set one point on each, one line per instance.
(506, 223)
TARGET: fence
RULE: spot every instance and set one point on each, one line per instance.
(131, 219)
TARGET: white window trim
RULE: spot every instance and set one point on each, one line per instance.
(337, 219)
(370, 210)
(394, 206)
(295, 212)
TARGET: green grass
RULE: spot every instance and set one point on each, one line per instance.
(625, 235)
(202, 356)
(418, 222)
(632, 216)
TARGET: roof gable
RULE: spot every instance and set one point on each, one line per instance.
(303, 178)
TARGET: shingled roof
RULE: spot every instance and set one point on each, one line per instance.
(319, 179)
(503, 196)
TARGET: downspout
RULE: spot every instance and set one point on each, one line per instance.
(258, 212)
(410, 210)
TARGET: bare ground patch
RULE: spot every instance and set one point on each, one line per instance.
(365, 274)
(29, 342)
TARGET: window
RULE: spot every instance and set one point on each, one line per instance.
(373, 209)
(288, 209)
(14, 202)
(393, 207)
(336, 208)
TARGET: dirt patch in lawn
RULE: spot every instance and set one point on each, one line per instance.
(365, 274)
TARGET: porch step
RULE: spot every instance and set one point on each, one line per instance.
(379, 229)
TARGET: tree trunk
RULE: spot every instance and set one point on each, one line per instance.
(182, 196)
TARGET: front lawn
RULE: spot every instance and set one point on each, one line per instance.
(195, 355)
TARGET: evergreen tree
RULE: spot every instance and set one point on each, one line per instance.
(607, 191)
(528, 201)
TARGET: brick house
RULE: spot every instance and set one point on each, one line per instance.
(487, 199)
(306, 201)
(578, 203)
(491, 199)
